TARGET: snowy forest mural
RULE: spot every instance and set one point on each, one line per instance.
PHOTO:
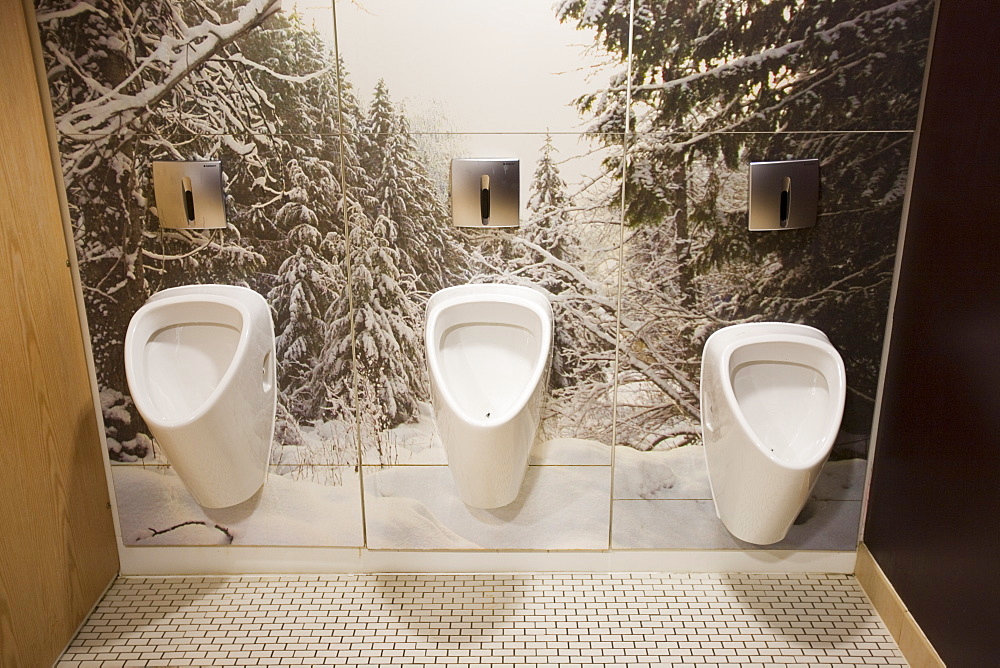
(633, 223)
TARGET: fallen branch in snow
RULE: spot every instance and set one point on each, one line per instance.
(224, 530)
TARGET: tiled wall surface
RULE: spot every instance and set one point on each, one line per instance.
(633, 198)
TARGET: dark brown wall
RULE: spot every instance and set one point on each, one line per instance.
(934, 515)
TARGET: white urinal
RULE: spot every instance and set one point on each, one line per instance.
(772, 397)
(199, 360)
(488, 356)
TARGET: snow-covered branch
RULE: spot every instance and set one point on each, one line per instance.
(843, 284)
(173, 61)
(298, 79)
(78, 8)
(780, 54)
(167, 258)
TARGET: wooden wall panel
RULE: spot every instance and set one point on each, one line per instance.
(934, 505)
(57, 543)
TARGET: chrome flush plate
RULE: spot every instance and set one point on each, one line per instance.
(784, 195)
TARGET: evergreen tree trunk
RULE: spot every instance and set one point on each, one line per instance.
(682, 239)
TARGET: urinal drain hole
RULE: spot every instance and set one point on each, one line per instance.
(487, 415)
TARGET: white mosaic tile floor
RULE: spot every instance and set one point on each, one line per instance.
(484, 619)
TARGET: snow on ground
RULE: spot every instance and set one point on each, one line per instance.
(396, 522)
(412, 443)
(843, 480)
(328, 443)
(662, 501)
(682, 473)
(571, 452)
(661, 474)
(559, 508)
(419, 443)
(693, 524)
(152, 500)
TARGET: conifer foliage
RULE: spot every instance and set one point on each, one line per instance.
(714, 85)
(552, 255)
(333, 217)
(404, 195)
(307, 284)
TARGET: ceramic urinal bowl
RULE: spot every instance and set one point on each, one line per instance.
(772, 397)
(488, 354)
(200, 366)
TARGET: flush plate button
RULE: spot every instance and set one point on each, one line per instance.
(783, 194)
(189, 195)
(485, 192)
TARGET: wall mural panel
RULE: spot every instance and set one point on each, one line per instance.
(633, 212)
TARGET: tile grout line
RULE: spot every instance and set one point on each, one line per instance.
(349, 270)
(621, 275)
(550, 617)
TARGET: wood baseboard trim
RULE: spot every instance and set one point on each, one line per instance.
(912, 642)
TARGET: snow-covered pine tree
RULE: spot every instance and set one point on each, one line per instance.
(331, 388)
(404, 195)
(294, 71)
(307, 284)
(379, 328)
(223, 79)
(387, 350)
(548, 225)
(717, 83)
(388, 347)
(119, 78)
(551, 260)
(330, 391)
